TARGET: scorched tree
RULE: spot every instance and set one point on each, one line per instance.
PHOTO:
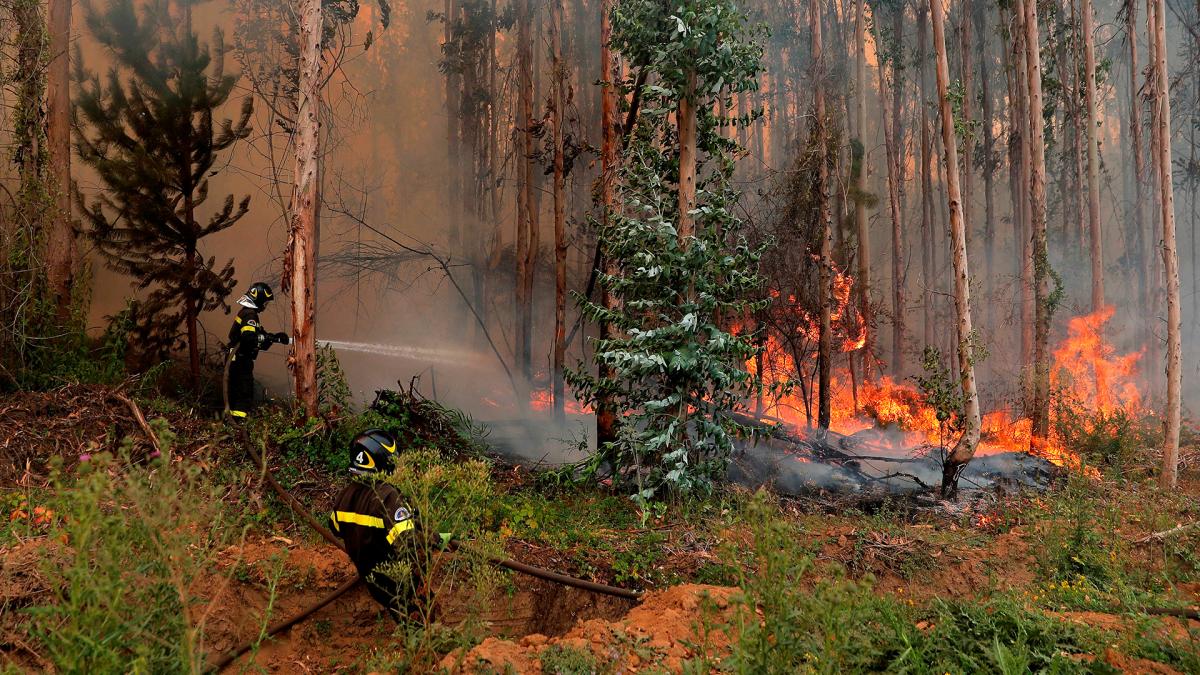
(679, 269)
(147, 130)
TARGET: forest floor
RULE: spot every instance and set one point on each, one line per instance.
(1063, 581)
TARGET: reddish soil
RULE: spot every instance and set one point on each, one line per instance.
(659, 633)
(352, 627)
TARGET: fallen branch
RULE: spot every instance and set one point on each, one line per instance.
(141, 420)
(1181, 612)
(1159, 536)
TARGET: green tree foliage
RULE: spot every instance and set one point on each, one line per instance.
(148, 131)
(674, 371)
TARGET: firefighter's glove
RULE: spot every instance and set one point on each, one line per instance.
(282, 338)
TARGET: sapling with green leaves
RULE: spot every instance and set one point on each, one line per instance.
(679, 266)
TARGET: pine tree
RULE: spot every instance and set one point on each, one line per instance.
(671, 370)
(147, 130)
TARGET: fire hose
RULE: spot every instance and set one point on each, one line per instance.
(452, 546)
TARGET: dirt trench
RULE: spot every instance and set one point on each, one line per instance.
(350, 629)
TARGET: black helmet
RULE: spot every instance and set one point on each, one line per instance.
(257, 297)
(373, 451)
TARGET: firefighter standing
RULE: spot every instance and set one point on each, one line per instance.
(376, 524)
(246, 339)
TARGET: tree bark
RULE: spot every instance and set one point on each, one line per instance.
(560, 231)
(1093, 158)
(1037, 200)
(894, 178)
(527, 218)
(1139, 224)
(1161, 111)
(825, 292)
(300, 272)
(927, 269)
(610, 132)
(60, 243)
(861, 231)
(989, 167)
(965, 449)
(968, 101)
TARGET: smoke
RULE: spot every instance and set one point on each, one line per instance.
(387, 163)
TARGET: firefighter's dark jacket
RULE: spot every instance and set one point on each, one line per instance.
(246, 335)
(372, 518)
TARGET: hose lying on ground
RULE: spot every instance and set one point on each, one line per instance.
(284, 625)
(506, 563)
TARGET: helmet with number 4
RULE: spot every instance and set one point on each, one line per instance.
(373, 451)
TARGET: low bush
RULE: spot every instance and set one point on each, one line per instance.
(140, 544)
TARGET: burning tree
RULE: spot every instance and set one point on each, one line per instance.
(152, 140)
(679, 266)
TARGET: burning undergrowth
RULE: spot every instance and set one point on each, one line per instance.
(885, 436)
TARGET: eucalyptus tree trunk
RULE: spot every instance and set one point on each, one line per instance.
(526, 216)
(989, 165)
(825, 275)
(894, 178)
(1161, 119)
(300, 273)
(968, 100)
(860, 207)
(899, 277)
(927, 269)
(1019, 185)
(60, 240)
(965, 449)
(560, 230)
(1093, 158)
(1139, 224)
(610, 134)
(1037, 200)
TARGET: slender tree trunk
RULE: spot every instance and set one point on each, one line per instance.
(610, 133)
(190, 309)
(860, 206)
(527, 218)
(891, 144)
(989, 167)
(965, 449)
(1041, 262)
(1093, 158)
(900, 158)
(825, 292)
(60, 245)
(560, 230)
(928, 282)
(968, 102)
(1161, 111)
(300, 269)
(1139, 224)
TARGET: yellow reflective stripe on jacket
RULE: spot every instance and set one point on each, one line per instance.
(237, 413)
(249, 328)
(237, 319)
(333, 519)
(358, 519)
(398, 529)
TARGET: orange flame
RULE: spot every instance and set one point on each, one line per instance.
(1085, 367)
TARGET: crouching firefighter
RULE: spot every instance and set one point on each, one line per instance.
(378, 527)
(246, 339)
